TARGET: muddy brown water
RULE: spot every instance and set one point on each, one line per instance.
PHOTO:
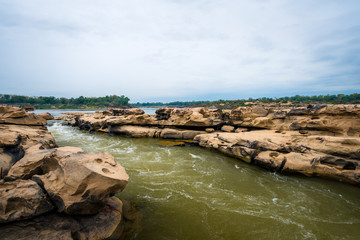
(194, 193)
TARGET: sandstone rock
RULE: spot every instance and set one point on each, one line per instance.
(22, 199)
(107, 224)
(46, 116)
(209, 130)
(6, 109)
(10, 151)
(9, 139)
(128, 111)
(179, 134)
(292, 152)
(195, 117)
(238, 130)
(142, 120)
(134, 131)
(227, 128)
(82, 182)
(14, 115)
(32, 137)
(40, 162)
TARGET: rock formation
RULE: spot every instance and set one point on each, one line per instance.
(54, 193)
(313, 140)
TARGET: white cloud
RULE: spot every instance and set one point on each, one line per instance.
(177, 49)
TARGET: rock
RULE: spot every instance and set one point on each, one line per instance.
(32, 137)
(342, 120)
(107, 224)
(6, 109)
(14, 115)
(194, 117)
(227, 128)
(238, 130)
(46, 116)
(10, 150)
(209, 130)
(40, 162)
(83, 182)
(163, 113)
(22, 199)
(9, 139)
(179, 134)
(128, 111)
(291, 152)
(134, 131)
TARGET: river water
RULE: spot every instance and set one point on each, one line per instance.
(194, 193)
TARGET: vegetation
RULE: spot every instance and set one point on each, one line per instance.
(122, 101)
(230, 104)
(65, 103)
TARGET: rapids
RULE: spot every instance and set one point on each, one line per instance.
(193, 193)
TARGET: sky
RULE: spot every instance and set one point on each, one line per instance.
(169, 50)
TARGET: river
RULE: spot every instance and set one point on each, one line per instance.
(194, 193)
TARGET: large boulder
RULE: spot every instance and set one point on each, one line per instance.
(192, 117)
(134, 131)
(179, 134)
(22, 199)
(107, 224)
(46, 116)
(83, 182)
(14, 115)
(32, 137)
(39, 162)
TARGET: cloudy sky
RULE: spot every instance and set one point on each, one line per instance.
(166, 50)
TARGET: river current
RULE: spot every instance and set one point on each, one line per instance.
(194, 193)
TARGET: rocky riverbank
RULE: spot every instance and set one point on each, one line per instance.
(313, 140)
(50, 192)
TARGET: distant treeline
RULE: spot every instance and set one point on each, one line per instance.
(65, 103)
(229, 104)
(122, 101)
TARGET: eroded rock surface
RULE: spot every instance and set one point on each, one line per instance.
(106, 224)
(22, 199)
(41, 183)
(82, 182)
(315, 140)
(291, 152)
(14, 115)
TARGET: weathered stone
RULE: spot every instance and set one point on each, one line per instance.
(107, 224)
(46, 116)
(127, 111)
(39, 162)
(238, 130)
(179, 134)
(13, 115)
(134, 131)
(227, 128)
(209, 130)
(22, 199)
(32, 137)
(82, 182)
(9, 139)
(291, 152)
